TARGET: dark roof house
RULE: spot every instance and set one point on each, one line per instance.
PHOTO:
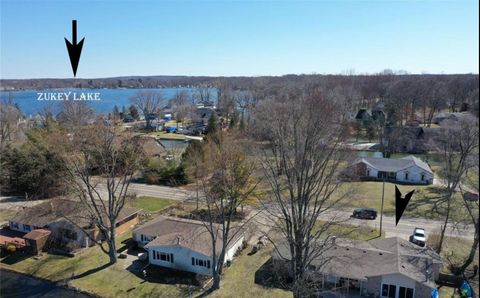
(375, 263)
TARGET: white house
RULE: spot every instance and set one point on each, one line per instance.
(182, 244)
(408, 170)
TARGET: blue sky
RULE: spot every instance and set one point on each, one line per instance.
(238, 37)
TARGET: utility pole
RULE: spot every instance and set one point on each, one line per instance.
(381, 211)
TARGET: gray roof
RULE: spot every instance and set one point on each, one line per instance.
(57, 209)
(187, 233)
(363, 259)
(394, 165)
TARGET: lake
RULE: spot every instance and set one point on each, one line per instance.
(28, 103)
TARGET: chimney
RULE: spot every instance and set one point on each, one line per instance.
(178, 240)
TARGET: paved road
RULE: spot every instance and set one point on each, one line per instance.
(404, 229)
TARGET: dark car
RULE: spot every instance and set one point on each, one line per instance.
(365, 213)
(128, 119)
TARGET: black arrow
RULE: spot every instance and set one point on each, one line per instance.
(401, 203)
(74, 49)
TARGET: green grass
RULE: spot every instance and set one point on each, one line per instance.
(151, 204)
(425, 203)
(6, 214)
(238, 280)
(167, 136)
(112, 281)
(361, 232)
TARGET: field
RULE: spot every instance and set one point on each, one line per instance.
(425, 203)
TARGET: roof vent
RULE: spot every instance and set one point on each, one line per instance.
(380, 253)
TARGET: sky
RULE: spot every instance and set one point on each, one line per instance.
(231, 38)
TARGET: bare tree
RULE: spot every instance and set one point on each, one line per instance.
(75, 114)
(182, 106)
(302, 166)
(102, 150)
(458, 144)
(10, 115)
(230, 183)
(148, 102)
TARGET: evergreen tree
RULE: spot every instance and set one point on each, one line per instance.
(212, 123)
(134, 112)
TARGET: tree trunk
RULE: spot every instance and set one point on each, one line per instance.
(112, 249)
(473, 252)
(444, 227)
(216, 281)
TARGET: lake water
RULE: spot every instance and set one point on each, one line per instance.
(27, 100)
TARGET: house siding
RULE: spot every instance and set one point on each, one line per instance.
(414, 175)
(182, 259)
(374, 285)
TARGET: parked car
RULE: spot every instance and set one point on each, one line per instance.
(418, 237)
(365, 213)
(128, 119)
(470, 196)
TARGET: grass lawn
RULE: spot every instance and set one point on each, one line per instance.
(454, 252)
(6, 214)
(425, 202)
(112, 281)
(151, 204)
(238, 280)
(167, 136)
(351, 232)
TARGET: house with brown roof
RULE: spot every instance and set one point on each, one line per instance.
(68, 221)
(390, 267)
(183, 244)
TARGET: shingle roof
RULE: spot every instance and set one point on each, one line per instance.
(59, 208)
(37, 234)
(363, 259)
(187, 233)
(394, 165)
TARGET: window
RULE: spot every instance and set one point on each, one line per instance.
(202, 263)
(388, 290)
(14, 225)
(162, 256)
(422, 177)
(405, 292)
(27, 228)
(368, 172)
(406, 175)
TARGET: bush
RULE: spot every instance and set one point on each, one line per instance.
(166, 172)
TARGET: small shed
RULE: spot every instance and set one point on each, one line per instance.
(37, 239)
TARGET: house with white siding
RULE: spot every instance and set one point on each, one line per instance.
(183, 244)
(406, 170)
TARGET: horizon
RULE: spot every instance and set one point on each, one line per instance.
(253, 76)
(238, 39)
